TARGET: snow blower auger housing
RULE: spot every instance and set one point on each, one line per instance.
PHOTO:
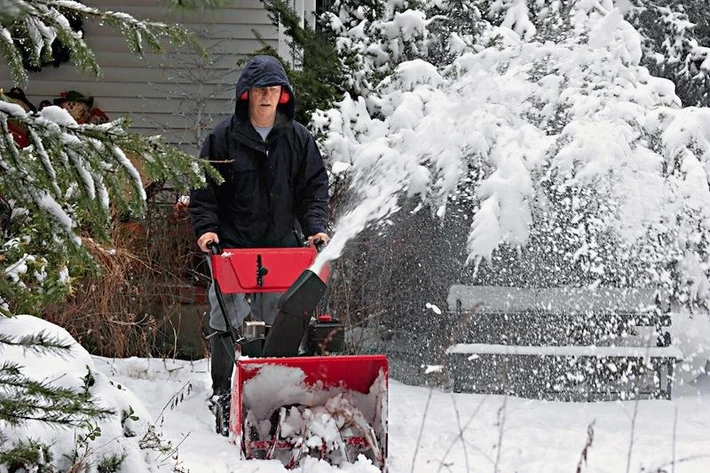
(292, 395)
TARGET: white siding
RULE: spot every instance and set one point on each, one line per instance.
(176, 94)
(306, 9)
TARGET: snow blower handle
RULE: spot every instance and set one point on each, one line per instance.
(215, 249)
(319, 244)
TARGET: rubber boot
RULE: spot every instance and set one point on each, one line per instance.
(222, 351)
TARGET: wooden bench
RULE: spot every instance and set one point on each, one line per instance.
(561, 343)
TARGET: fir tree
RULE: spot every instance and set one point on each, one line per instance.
(64, 186)
(679, 49)
(319, 78)
(71, 178)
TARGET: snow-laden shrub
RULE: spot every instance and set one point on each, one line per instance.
(122, 434)
(375, 36)
(581, 163)
(676, 44)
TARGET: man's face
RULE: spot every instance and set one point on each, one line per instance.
(263, 102)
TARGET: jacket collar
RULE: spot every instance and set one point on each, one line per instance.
(243, 130)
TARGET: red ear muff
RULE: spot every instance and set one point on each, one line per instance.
(285, 97)
(244, 96)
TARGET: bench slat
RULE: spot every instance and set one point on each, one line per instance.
(590, 351)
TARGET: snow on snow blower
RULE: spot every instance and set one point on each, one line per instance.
(293, 395)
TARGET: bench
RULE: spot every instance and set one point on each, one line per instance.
(571, 344)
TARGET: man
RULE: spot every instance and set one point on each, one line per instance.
(275, 184)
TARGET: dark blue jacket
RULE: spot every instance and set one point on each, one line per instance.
(269, 186)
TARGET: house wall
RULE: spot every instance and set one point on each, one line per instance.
(177, 94)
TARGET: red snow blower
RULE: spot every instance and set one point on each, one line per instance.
(293, 395)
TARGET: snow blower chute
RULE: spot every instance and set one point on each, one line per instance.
(293, 394)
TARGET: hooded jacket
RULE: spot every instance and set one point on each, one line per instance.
(272, 186)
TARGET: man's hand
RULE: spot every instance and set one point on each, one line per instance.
(312, 240)
(205, 239)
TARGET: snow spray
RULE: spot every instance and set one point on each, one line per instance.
(376, 198)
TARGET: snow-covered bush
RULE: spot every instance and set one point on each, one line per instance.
(70, 179)
(375, 36)
(95, 423)
(583, 167)
(676, 45)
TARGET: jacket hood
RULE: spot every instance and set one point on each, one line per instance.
(263, 71)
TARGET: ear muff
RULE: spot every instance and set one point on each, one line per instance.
(285, 97)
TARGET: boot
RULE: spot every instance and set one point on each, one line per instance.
(223, 354)
(220, 406)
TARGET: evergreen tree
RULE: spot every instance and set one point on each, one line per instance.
(317, 76)
(677, 45)
(64, 185)
(70, 179)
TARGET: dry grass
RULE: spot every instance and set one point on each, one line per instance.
(145, 296)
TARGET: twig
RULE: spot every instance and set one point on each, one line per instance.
(172, 399)
(461, 432)
(675, 436)
(457, 330)
(137, 323)
(463, 444)
(175, 337)
(174, 450)
(583, 459)
(170, 370)
(660, 468)
(501, 426)
(633, 431)
(421, 428)
(452, 334)
(464, 322)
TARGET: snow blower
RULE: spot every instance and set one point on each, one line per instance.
(293, 393)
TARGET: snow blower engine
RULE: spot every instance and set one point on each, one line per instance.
(293, 394)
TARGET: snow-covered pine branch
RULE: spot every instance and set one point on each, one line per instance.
(63, 182)
(580, 154)
(71, 178)
(59, 413)
(78, 175)
(36, 24)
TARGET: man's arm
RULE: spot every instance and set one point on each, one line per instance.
(312, 199)
(204, 204)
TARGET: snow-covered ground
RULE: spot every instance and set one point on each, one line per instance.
(535, 121)
(425, 428)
